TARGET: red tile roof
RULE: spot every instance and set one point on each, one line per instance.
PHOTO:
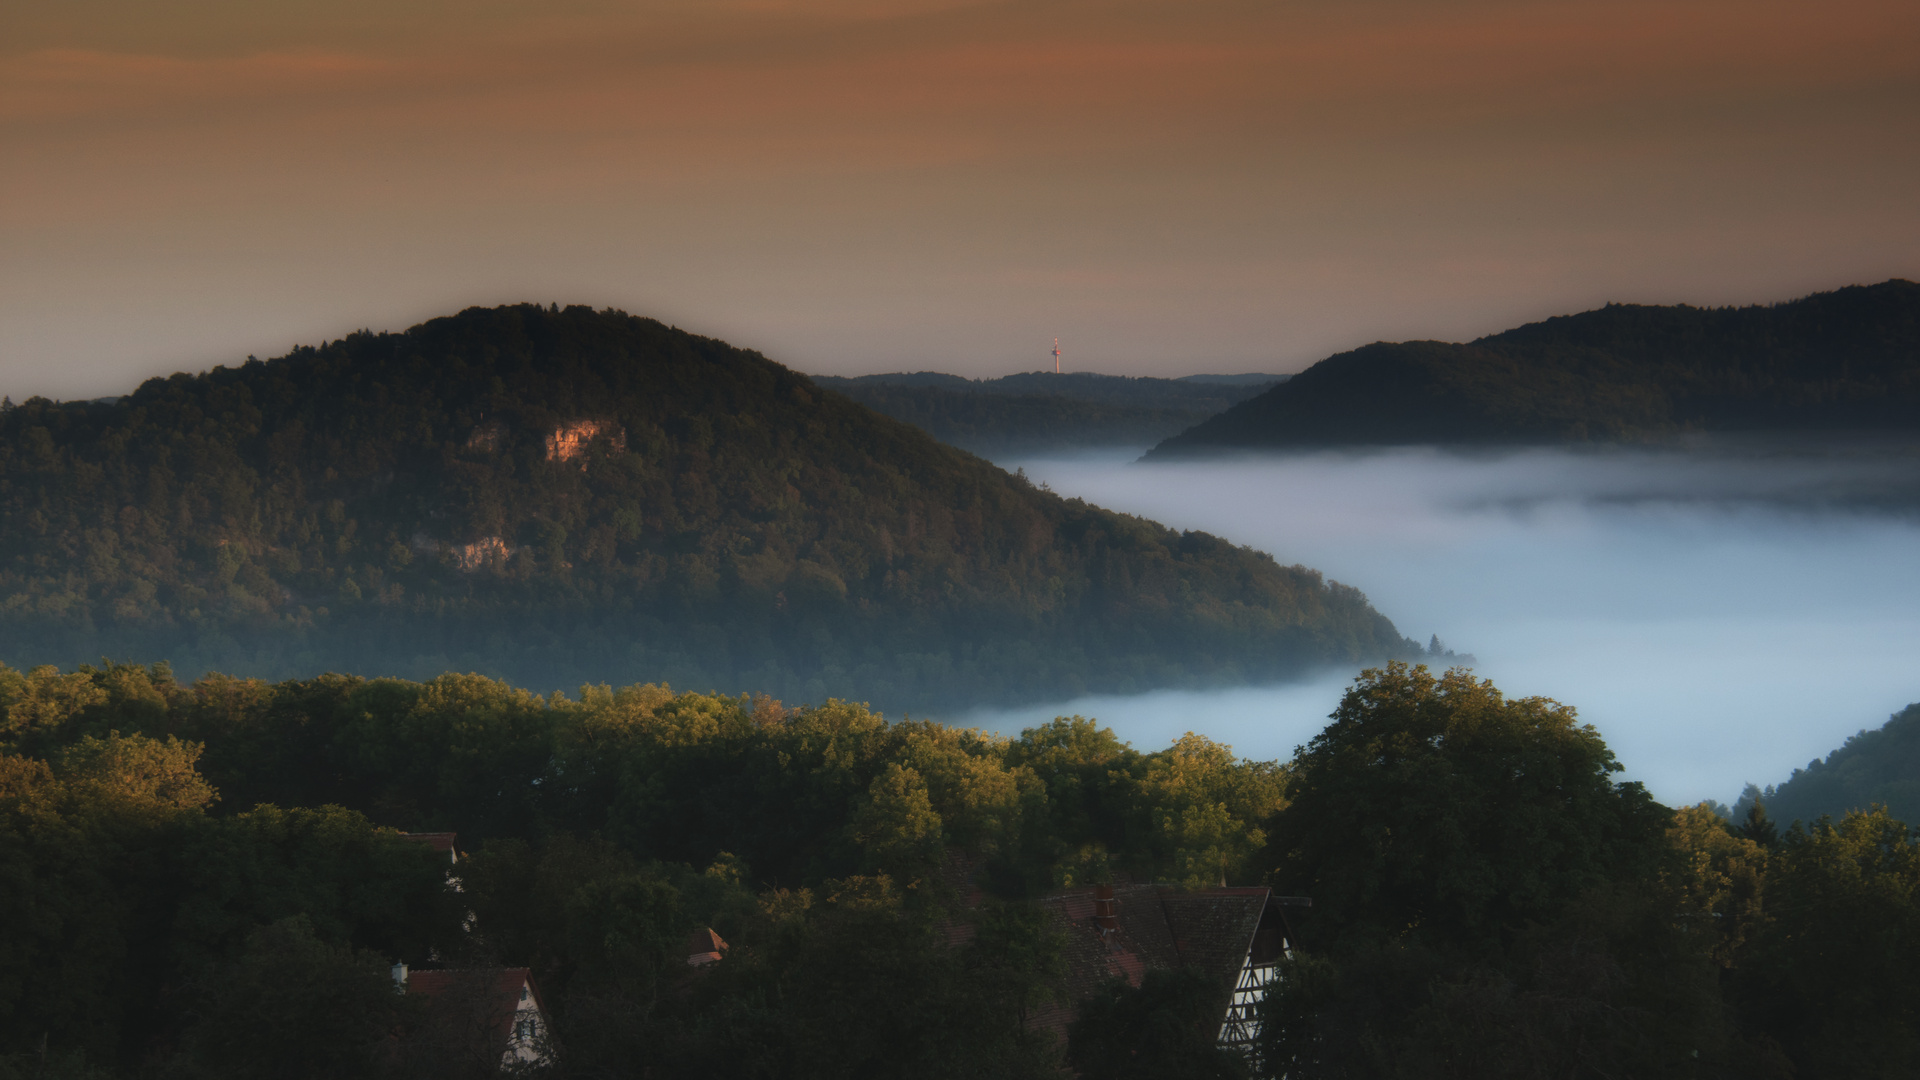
(704, 947)
(1157, 926)
(438, 841)
(480, 1004)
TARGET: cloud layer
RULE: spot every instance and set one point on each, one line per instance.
(1714, 615)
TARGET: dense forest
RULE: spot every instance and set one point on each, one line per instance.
(1041, 412)
(1873, 768)
(205, 880)
(1844, 361)
(567, 496)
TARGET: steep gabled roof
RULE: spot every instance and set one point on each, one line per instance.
(472, 1010)
(1153, 926)
(1213, 929)
(704, 946)
(442, 842)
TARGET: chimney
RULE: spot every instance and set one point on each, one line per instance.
(1103, 909)
(400, 977)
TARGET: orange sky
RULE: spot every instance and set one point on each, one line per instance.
(862, 185)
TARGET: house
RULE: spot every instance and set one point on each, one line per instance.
(486, 1017)
(1234, 936)
(441, 842)
(704, 947)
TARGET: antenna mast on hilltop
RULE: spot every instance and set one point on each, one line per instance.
(1056, 356)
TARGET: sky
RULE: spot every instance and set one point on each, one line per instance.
(1167, 186)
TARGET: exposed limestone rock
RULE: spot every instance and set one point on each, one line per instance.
(484, 552)
(569, 441)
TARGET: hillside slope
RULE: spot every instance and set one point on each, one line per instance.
(559, 497)
(1880, 767)
(1847, 360)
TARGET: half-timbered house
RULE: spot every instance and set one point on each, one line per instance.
(1235, 937)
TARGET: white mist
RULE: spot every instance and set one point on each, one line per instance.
(1716, 617)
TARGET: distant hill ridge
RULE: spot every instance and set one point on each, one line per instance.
(1041, 412)
(1197, 393)
(1847, 360)
(573, 496)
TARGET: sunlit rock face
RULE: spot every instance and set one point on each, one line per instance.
(569, 441)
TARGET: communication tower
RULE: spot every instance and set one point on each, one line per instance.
(1056, 356)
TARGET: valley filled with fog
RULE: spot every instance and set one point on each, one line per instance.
(1721, 616)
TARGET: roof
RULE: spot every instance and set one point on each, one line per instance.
(704, 947)
(1212, 930)
(441, 842)
(1154, 926)
(475, 1006)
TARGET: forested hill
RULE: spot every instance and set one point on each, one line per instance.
(1847, 360)
(567, 496)
(1873, 768)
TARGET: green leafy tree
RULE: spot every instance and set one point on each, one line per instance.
(135, 775)
(1718, 884)
(1489, 902)
(296, 1007)
(1834, 972)
(356, 885)
(897, 826)
(1207, 806)
(1434, 809)
(1167, 1027)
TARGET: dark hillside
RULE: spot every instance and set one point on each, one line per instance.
(560, 497)
(1873, 768)
(1847, 361)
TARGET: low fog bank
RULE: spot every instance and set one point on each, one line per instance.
(1262, 722)
(1722, 615)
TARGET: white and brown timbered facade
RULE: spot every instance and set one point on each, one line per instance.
(1272, 941)
(1236, 936)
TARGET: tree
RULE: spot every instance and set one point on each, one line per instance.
(136, 775)
(1434, 809)
(1834, 974)
(897, 826)
(1168, 1028)
(1719, 883)
(1015, 959)
(1488, 902)
(1206, 806)
(293, 1006)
